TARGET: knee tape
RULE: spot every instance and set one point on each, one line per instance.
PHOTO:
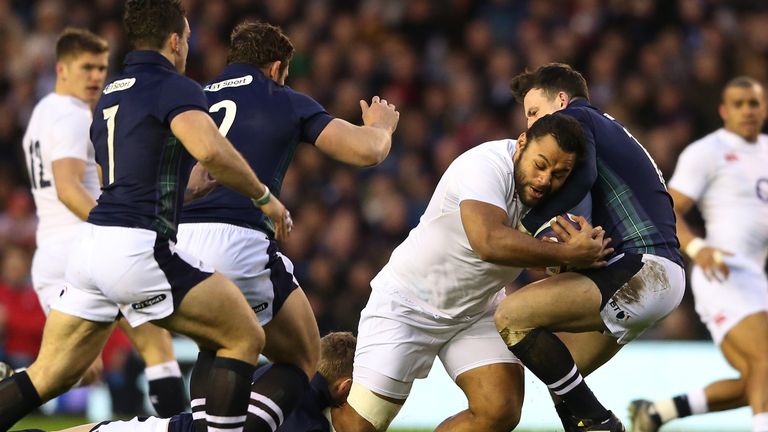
(513, 337)
(379, 412)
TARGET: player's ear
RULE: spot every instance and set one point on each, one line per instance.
(60, 70)
(522, 140)
(274, 70)
(723, 112)
(174, 40)
(563, 99)
(343, 387)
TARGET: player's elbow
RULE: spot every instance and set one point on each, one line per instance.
(375, 155)
(377, 148)
(207, 155)
(481, 245)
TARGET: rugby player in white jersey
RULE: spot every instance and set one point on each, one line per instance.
(437, 294)
(724, 174)
(65, 184)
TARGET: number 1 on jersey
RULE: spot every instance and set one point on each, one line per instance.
(109, 115)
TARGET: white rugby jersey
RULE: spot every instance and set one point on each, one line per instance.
(59, 128)
(435, 265)
(728, 178)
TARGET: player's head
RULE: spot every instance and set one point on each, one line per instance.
(262, 45)
(81, 64)
(545, 156)
(743, 108)
(548, 89)
(337, 353)
(158, 25)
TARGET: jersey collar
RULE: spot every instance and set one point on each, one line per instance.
(578, 103)
(138, 57)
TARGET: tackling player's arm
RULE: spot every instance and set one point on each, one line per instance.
(199, 134)
(495, 242)
(708, 258)
(68, 174)
(365, 145)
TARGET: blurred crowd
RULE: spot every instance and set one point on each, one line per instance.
(657, 66)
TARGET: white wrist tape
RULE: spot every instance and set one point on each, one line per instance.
(694, 247)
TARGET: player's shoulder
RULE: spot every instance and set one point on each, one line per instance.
(62, 111)
(497, 153)
(712, 142)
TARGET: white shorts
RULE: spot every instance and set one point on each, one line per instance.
(645, 296)
(132, 271)
(48, 267)
(247, 257)
(397, 343)
(723, 305)
(136, 424)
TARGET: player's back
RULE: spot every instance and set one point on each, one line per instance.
(58, 128)
(265, 122)
(630, 199)
(140, 159)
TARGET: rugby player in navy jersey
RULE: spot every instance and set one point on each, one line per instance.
(599, 309)
(148, 121)
(266, 120)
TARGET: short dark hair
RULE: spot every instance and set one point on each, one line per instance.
(75, 41)
(258, 44)
(148, 23)
(740, 82)
(337, 353)
(565, 129)
(552, 78)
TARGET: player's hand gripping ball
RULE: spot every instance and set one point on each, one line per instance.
(546, 233)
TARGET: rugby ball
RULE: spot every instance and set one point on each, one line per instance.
(546, 233)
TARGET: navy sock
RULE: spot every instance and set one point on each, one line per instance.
(198, 385)
(548, 358)
(18, 397)
(274, 395)
(229, 386)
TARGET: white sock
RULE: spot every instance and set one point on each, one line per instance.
(760, 422)
(697, 400)
(666, 409)
(163, 370)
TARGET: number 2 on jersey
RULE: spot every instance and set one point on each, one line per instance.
(109, 115)
(230, 111)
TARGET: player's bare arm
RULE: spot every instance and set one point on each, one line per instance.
(365, 145)
(68, 174)
(200, 136)
(710, 259)
(495, 242)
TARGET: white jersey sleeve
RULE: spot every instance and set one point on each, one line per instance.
(72, 139)
(480, 177)
(694, 171)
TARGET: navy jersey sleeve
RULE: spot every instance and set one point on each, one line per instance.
(576, 186)
(180, 94)
(312, 116)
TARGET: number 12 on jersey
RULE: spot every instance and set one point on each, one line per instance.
(109, 115)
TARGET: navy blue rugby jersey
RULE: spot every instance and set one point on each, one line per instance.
(265, 122)
(629, 196)
(142, 163)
